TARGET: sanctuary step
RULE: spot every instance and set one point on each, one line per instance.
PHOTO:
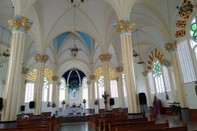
(74, 118)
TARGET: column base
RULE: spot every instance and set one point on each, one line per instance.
(8, 124)
(37, 116)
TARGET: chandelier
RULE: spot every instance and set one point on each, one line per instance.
(140, 60)
(74, 50)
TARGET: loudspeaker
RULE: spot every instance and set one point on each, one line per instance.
(31, 104)
(142, 98)
(111, 101)
(1, 103)
(22, 108)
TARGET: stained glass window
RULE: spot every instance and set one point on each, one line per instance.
(157, 68)
(101, 85)
(193, 29)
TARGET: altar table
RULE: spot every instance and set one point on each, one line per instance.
(74, 110)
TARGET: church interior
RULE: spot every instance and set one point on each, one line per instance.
(123, 59)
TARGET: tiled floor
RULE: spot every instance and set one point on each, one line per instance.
(173, 122)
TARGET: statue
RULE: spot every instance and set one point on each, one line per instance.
(105, 95)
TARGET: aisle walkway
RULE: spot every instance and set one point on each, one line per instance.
(173, 122)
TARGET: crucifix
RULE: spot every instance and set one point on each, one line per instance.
(105, 95)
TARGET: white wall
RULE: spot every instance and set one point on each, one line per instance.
(191, 95)
(3, 72)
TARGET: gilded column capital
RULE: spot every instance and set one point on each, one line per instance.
(105, 57)
(88, 82)
(54, 78)
(19, 24)
(124, 26)
(41, 58)
(168, 63)
(92, 77)
(119, 69)
(145, 73)
(171, 46)
(24, 71)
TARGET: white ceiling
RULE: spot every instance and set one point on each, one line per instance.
(155, 22)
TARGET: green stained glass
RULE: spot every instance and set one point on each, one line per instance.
(156, 67)
(193, 28)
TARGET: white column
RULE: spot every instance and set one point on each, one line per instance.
(92, 78)
(121, 101)
(89, 93)
(172, 48)
(15, 61)
(149, 101)
(80, 94)
(55, 92)
(66, 94)
(105, 58)
(124, 27)
(38, 87)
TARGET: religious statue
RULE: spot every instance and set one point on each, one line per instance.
(105, 95)
(74, 90)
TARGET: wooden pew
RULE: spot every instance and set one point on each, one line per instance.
(112, 126)
(95, 120)
(103, 123)
(142, 127)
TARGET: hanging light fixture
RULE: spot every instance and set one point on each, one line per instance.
(135, 54)
(140, 60)
(74, 50)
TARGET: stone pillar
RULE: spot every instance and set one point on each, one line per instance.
(171, 47)
(105, 58)
(149, 101)
(57, 91)
(124, 28)
(38, 87)
(92, 78)
(121, 101)
(168, 64)
(19, 26)
(21, 98)
(54, 89)
(89, 93)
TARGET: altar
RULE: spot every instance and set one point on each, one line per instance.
(74, 110)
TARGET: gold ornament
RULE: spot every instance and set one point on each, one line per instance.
(88, 82)
(167, 63)
(54, 78)
(105, 57)
(180, 33)
(119, 69)
(41, 58)
(145, 73)
(92, 77)
(127, 26)
(24, 70)
(17, 23)
(171, 47)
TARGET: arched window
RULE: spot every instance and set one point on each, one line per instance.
(62, 91)
(85, 90)
(185, 61)
(46, 91)
(113, 88)
(124, 85)
(101, 86)
(29, 92)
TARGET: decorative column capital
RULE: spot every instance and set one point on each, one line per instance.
(124, 26)
(41, 58)
(54, 78)
(145, 73)
(105, 57)
(88, 82)
(168, 63)
(171, 46)
(24, 71)
(19, 24)
(92, 77)
(119, 69)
